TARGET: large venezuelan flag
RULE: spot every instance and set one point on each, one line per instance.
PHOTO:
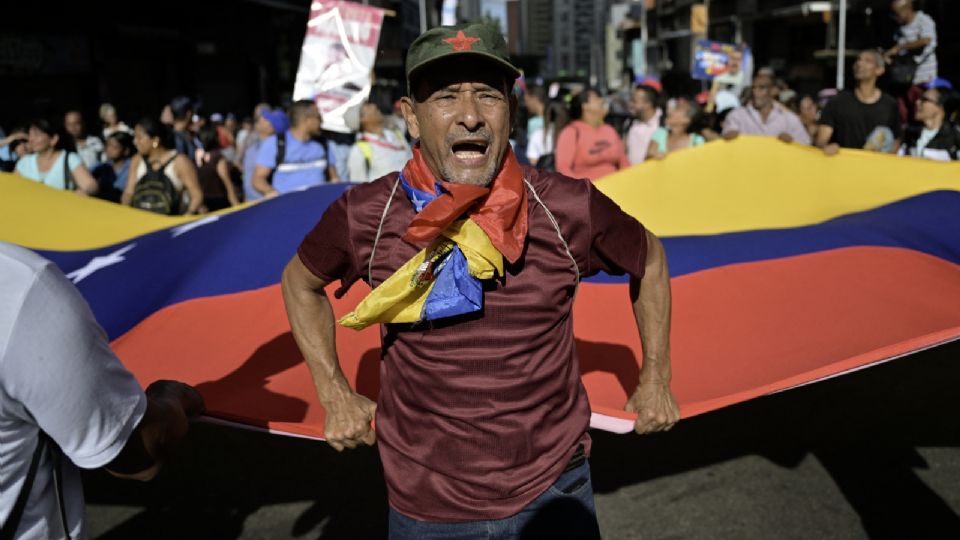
(788, 267)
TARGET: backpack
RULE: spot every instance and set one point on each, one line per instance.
(281, 154)
(155, 191)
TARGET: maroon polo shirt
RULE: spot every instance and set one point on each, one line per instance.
(479, 414)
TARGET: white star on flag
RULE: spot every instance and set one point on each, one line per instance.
(418, 202)
(99, 263)
(183, 229)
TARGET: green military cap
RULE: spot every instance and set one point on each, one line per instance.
(470, 39)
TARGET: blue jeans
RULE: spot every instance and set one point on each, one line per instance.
(565, 510)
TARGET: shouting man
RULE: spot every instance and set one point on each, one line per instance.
(475, 262)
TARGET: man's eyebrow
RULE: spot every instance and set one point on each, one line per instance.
(479, 86)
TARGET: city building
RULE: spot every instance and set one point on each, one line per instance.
(578, 39)
(798, 39)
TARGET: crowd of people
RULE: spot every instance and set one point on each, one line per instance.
(182, 162)
(185, 162)
(916, 116)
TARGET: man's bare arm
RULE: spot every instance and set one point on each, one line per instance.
(908, 46)
(260, 183)
(349, 414)
(170, 407)
(332, 176)
(822, 140)
(653, 401)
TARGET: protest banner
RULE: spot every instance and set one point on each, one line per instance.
(336, 62)
(725, 62)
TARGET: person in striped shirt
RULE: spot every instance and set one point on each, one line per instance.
(917, 37)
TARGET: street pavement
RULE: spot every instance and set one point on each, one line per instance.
(872, 454)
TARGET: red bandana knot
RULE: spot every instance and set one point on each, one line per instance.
(461, 42)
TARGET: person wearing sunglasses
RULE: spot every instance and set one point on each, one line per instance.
(935, 137)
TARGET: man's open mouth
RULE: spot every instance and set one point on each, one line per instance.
(468, 151)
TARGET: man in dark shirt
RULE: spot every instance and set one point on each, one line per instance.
(863, 118)
(482, 418)
(186, 143)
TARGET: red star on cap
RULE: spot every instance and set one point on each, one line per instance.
(461, 42)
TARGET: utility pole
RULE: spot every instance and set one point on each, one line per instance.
(423, 16)
(644, 37)
(842, 45)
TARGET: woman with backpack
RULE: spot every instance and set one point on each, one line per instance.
(54, 160)
(214, 173)
(161, 180)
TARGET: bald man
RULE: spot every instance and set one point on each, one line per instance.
(866, 113)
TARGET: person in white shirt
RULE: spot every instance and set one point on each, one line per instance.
(378, 151)
(535, 101)
(542, 141)
(647, 119)
(54, 161)
(67, 402)
(89, 147)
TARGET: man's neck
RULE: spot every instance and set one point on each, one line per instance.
(647, 115)
(375, 130)
(300, 134)
(867, 91)
(765, 110)
(933, 124)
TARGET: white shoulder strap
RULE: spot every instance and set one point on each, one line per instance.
(556, 227)
(376, 239)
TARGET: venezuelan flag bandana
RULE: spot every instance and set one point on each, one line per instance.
(467, 231)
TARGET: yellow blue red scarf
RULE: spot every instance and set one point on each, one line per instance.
(467, 232)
